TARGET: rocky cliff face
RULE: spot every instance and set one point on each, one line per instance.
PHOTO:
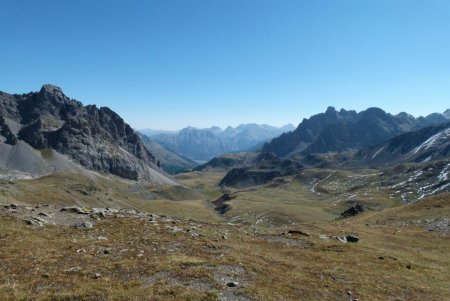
(96, 138)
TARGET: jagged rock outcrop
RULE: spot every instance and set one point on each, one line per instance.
(96, 138)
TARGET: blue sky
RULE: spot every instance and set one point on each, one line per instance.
(171, 63)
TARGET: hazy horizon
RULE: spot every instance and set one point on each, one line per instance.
(170, 64)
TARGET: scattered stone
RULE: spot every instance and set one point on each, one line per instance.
(96, 275)
(43, 221)
(353, 210)
(81, 251)
(99, 212)
(341, 239)
(349, 292)
(298, 232)
(352, 238)
(323, 236)
(83, 225)
(232, 284)
(73, 270)
(46, 275)
(439, 225)
(381, 257)
(34, 222)
(102, 238)
(44, 214)
(107, 251)
(348, 238)
(174, 229)
(76, 209)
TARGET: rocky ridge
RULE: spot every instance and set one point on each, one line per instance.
(95, 138)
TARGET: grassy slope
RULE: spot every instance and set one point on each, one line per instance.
(101, 191)
(176, 266)
(268, 266)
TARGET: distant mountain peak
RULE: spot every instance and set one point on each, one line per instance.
(52, 89)
(330, 110)
(446, 114)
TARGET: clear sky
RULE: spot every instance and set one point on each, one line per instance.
(167, 64)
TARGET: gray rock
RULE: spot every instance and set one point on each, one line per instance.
(83, 225)
(33, 222)
(75, 209)
(352, 238)
(102, 212)
(174, 229)
(353, 210)
(232, 284)
(341, 239)
(348, 238)
(299, 232)
(439, 225)
(44, 214)
(96, 275)
(73, 270)
(42, 220)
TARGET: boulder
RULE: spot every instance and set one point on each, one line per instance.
(353, 210)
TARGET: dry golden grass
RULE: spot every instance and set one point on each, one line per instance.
(268, 266)
(148, 261)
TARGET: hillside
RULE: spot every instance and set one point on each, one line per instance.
(169, 161)
(430, 143)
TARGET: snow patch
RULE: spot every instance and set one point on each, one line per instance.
(377, 152)
(433, 140)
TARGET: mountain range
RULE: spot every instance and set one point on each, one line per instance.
(46, 131)
(203, 144)
(338, 131)
(343, 140)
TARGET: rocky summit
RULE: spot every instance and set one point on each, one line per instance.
(95, 138)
